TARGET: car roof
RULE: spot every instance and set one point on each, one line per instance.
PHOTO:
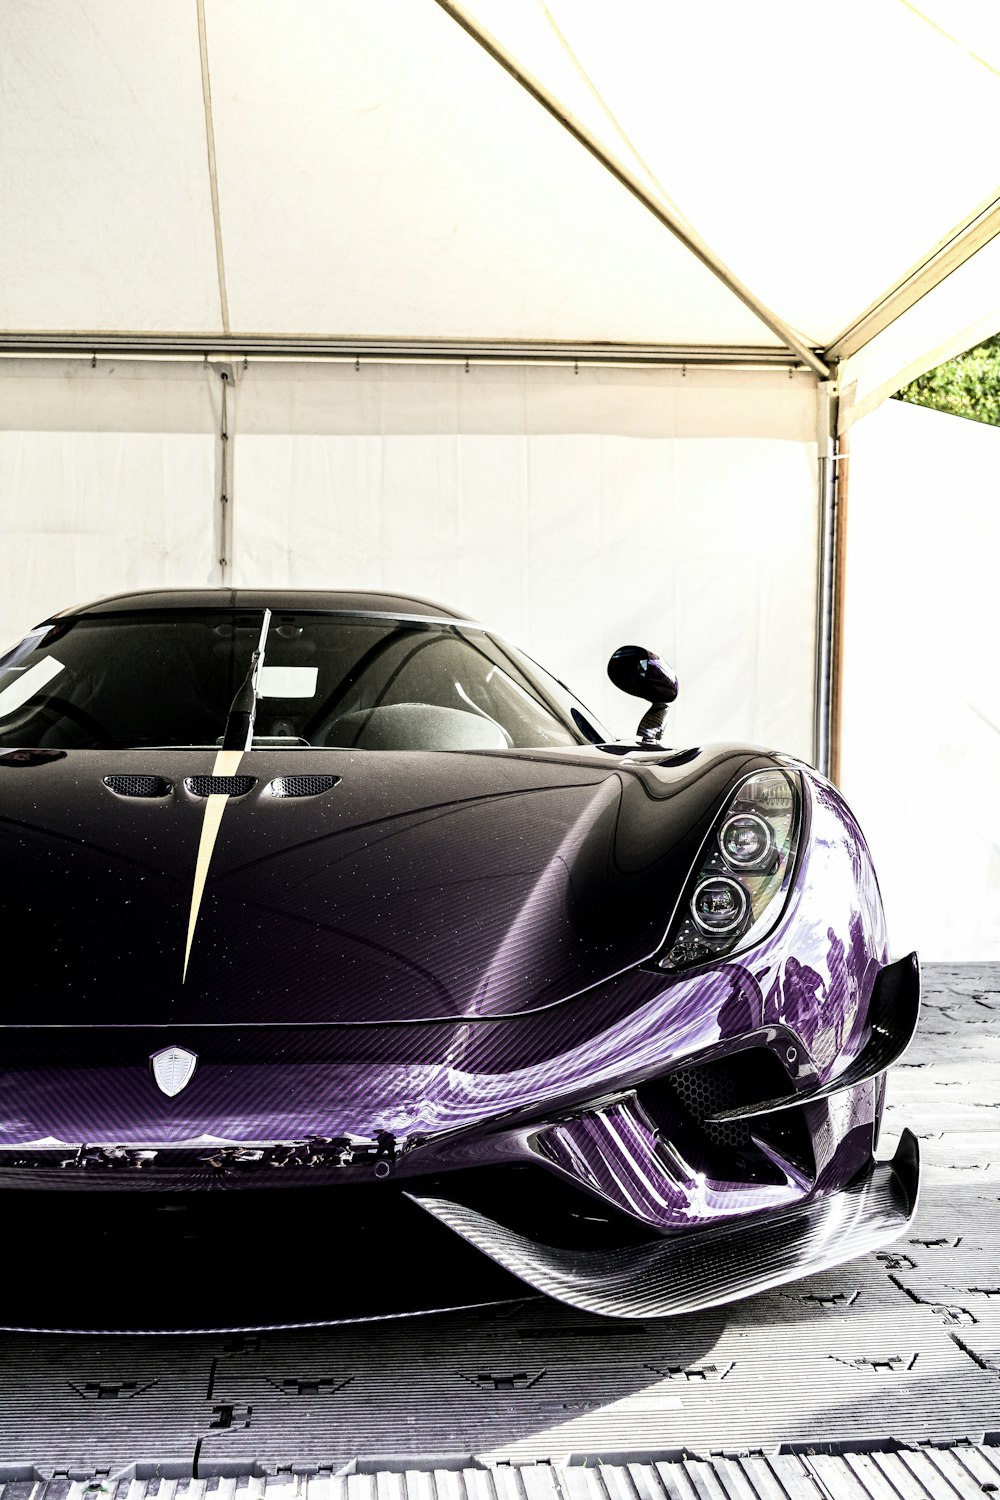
(354, 601)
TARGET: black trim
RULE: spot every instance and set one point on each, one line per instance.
(893, 1014)
(351, 601)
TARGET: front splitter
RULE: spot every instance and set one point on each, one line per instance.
(689, 1272)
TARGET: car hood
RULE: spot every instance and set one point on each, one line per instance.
(418, 887)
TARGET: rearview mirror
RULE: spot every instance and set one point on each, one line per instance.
(641, 673)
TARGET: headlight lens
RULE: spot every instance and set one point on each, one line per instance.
(719, 906)
(747, 841)
(736, 891)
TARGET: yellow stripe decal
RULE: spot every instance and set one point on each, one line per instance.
(226, 764)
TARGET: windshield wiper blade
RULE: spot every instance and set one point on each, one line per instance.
(238, 733)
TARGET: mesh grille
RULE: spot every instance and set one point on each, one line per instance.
(220, 786)
(302, 786)
(705, 1092)
(682, 1105)
(137, 786)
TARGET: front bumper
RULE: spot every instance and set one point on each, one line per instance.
(724, 1133)
(572, 1232)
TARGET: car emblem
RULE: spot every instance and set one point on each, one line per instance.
(173, 1069)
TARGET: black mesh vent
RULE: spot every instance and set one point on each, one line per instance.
(707, 1091)
(682, 1104)
(138, 786)
(220, 786)
(302, 786)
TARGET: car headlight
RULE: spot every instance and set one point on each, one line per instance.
(736, 891)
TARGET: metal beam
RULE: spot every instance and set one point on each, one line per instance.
(826, 688)
(412, 351)
(838, 610)
(681, 230)
(953, 251)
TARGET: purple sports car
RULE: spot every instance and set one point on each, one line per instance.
(342, 899)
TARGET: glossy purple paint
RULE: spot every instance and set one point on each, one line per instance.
(620, 1156)
(460, 1090)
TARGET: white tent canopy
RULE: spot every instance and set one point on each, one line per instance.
(214, 211)
(357, 170)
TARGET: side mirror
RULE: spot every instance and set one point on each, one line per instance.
(642, 674)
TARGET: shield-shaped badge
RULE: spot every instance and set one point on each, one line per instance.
(173, 1069)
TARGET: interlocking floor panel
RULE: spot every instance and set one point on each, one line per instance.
(902, 1346)
(962, 1471)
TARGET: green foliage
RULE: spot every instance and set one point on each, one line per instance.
(968, 386)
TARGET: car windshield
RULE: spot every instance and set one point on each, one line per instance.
(335, 680)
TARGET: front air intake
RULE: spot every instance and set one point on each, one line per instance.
(219, 786)
(138, 786)
(302, 786)
(685, 1104)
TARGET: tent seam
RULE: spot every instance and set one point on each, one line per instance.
(612, 117)
(206, 92)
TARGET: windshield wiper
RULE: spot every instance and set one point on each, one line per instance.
(238, 733)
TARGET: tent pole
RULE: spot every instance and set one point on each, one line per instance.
(677, 226)
(829, 614)
(960, 245)
(837, 646)
(224, 474)
(293, 346)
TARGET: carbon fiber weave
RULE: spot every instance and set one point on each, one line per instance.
(894, 1012)
(689, 1273)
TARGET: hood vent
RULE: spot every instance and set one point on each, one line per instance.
(138, 786)
(302, 786)
(220, 786)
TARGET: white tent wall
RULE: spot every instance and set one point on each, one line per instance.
(87, 513)
(570, 510)
(921, 695)
(107, 479)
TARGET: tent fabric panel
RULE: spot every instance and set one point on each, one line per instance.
(379, 175)
(721, 129)
(110, 395)
(921, 705)
(348, 397)
(959, 312)
(107, 219)
(91, 513)
(371, 398)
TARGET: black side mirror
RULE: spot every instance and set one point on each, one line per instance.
(642, 674)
